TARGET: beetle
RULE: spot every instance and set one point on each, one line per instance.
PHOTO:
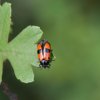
(44, 53)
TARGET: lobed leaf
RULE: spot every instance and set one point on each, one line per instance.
(5, 22)
(1, 67)
(21, 51)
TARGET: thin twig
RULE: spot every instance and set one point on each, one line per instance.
(7, 91)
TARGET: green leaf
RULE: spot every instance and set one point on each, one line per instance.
(21, 51)
(5, 21)
(1, 67)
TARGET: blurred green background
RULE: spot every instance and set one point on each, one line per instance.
(73, 29)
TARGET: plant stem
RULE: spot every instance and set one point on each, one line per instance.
(7, 91)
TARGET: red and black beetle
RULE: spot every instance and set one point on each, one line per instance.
(44, 53)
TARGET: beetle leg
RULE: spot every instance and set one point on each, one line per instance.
(40, 65)
(49, 65)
